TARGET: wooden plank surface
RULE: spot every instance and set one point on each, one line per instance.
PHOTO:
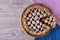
(10, 20)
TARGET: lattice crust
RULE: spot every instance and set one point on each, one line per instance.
(33, 20)
(38, 18)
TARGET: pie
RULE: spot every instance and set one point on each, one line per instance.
(38, 20)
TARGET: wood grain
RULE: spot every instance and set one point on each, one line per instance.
(10, 15)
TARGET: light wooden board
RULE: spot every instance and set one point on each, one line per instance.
(10, 20)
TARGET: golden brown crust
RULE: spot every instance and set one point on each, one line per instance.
(25, 27)
(45, 32)
(54, 21)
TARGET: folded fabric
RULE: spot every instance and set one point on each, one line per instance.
(54, 5)
(53, 35)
